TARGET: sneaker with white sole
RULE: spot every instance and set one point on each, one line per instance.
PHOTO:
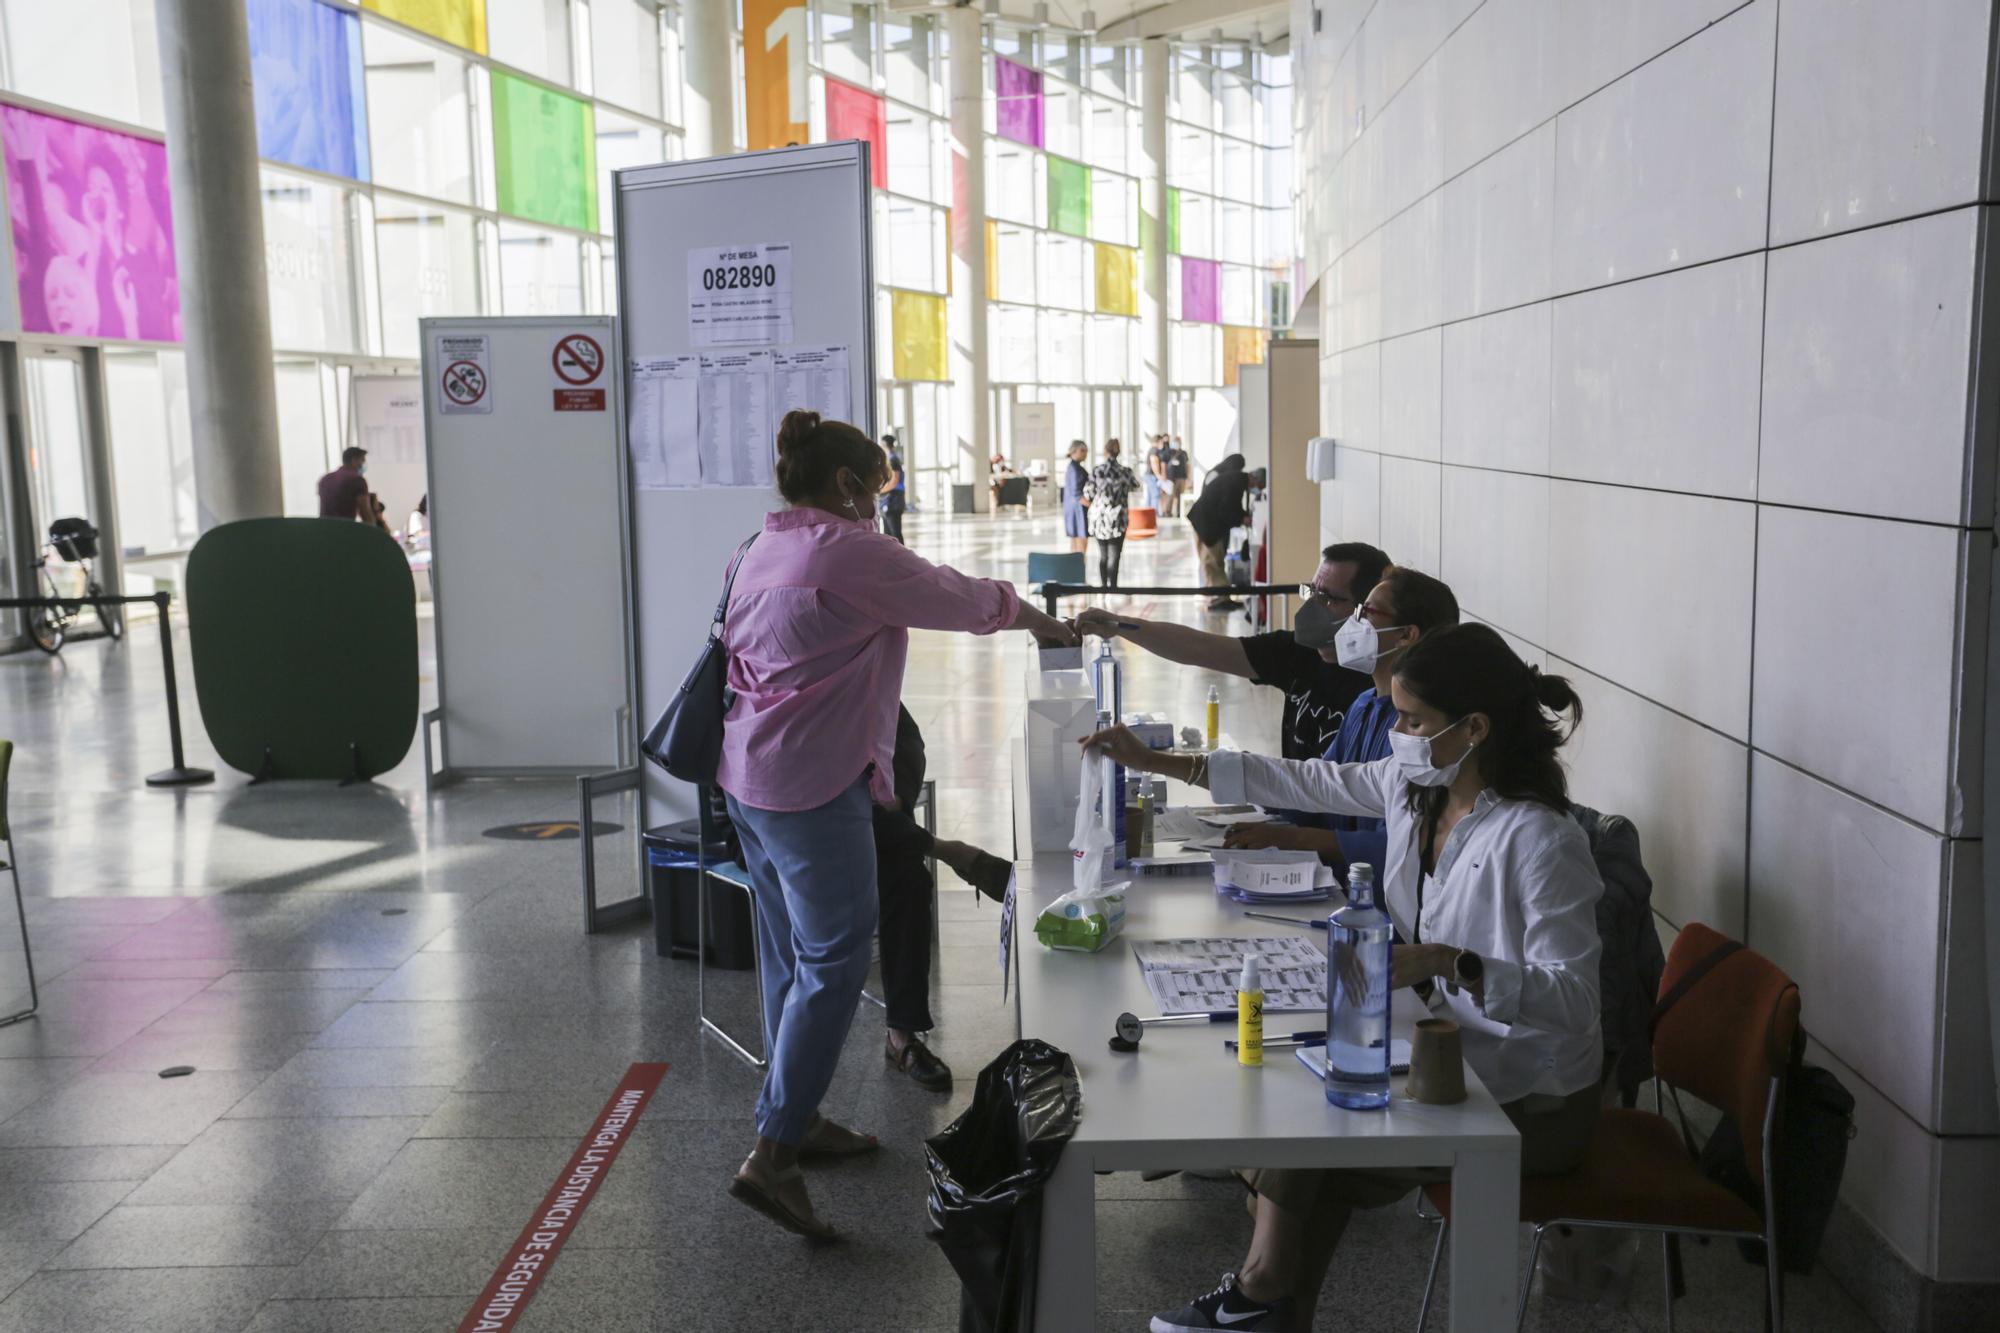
(1225, 1308)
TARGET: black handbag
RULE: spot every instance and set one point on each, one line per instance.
(686, 741)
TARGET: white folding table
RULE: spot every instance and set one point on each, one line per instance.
(1182, 1102)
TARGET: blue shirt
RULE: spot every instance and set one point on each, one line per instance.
(1363, 738)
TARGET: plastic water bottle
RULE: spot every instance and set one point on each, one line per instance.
(1111, 807)
(1357, 1024)
(1109, 683)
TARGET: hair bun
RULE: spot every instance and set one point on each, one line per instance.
(796, 430)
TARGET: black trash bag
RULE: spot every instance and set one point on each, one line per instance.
(987, 1171)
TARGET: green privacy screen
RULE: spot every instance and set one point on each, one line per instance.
(1069, 197)
(545, 152)
(305, 642)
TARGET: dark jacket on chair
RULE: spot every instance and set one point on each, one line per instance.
(1628, 973)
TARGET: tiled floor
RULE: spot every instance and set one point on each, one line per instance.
(399, 1034)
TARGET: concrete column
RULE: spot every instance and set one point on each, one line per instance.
(709, 99)
(971, 397)
(1155, 329)
(219, 243)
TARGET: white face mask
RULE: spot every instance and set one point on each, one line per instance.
(1413, 758)
(1359, 644)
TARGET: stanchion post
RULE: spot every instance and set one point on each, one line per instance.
(180, 775)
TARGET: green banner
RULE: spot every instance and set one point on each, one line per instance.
(1069, 197)
(1173, 221)
(545, 153)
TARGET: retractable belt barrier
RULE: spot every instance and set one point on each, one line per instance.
(180, 775)
(1053, 592)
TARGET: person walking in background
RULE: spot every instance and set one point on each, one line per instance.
(894, 491)
(1221, 508)
(343, 494)
(1076, 523)
(817, 633)
(1155, 470)
(1177, 475)
(1109, 495)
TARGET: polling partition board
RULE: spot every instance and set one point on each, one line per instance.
(746, 288)
(524, 446)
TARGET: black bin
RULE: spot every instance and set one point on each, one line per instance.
(671, 850)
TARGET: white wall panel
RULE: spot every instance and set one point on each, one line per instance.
(1965, 1097)
(1880, 110)
(1688, 792)
(1410, 503)
(1358, 374)
(1845, 897)
(1413, 267)
(1496, 390)
(1412, 130)
(1652, 590)
(1857, 658)
(1668, 166)
(1412, 394)
(1499, 77)
(1866, 360)
(1357, 296)
(1497, 228)
(1656, 381)
(1599, 41)
(1409, 36)
(1494, 548)
(1351, 504)
(1891, 1176)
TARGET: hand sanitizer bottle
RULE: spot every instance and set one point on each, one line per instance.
(1214, 736)
(1250, 1014)
(1357, 997)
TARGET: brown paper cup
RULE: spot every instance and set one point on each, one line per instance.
(1437, 1063)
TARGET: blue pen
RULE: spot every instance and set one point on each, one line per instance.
(1289, 920)
(1288, 1039)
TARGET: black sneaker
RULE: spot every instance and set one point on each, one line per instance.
(1227, 1308)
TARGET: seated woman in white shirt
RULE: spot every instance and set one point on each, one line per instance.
(1494, 896)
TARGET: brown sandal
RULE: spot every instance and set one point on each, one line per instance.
(763, 1196)
(826, 1139)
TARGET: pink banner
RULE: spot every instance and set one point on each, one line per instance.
(856, 113)
(1201, 291)
(93, 232)
(1017, 102)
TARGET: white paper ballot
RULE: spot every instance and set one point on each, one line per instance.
(660, 427)
(813, 378)
(738, 429)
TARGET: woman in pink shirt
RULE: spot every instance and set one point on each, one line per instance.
(817, 633)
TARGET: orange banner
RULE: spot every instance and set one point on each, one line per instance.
(774, 74)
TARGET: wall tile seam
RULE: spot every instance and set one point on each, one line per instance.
(1667, 490)
(1474, 165)
(1657, 273)
(1757, 515)
(1980, 475)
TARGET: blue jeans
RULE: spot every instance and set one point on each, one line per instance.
(1152, 491)
(813, 876)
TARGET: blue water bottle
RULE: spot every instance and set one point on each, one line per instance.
(1357, 997)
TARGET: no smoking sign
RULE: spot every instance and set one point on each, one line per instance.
(577, 361)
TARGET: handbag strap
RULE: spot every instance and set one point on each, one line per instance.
(1702, 967)
(729, 580)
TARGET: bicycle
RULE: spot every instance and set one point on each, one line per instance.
(75, 541)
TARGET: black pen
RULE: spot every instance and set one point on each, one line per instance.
(1315, 923)
(1286, 1039)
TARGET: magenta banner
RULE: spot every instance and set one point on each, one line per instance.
(93, 231)
(1201, 291)
(1017, 102)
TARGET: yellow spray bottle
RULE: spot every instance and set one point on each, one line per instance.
(1250, 1014)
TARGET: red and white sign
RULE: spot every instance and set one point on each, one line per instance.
(578, 364)
(527, 1262)
(465, 372)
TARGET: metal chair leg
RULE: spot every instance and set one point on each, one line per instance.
(1430, 1282)
(1534, 1253)
(702, 880)
(1667, 1274)
(27, 950)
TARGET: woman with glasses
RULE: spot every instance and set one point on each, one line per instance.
(1494, 895)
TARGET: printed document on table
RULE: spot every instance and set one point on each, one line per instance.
(1190, 976)
(738, 428)
(813, 378)
(661, 423)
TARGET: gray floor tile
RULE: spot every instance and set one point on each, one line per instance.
(115, 1108)
(360, 1067)
(261, 1161)
(292, 1101)
(373, 1315)
(613, 1291)
(329, 978)
(298, 1010)
(59, 1209)
(455, 1183)
(243, 1048)
(377, 1263)
(21, 1165)
(200, 1236)
(143, 968)
(21, 1258)
(158, 1300)
(24, 1082)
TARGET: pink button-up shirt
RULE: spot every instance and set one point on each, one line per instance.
(818, 631)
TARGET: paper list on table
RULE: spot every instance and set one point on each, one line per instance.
(813, 378)
(661, 423)
(738, 429)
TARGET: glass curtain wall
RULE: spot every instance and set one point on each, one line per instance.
(1062, 235)
(1229, 228)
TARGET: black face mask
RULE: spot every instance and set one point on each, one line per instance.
(1315, 626)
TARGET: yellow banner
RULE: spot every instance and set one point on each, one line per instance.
(1240, 347)
(460, 22)
(1117, 280)
(917, 319)
(992, 261)
(774, 74)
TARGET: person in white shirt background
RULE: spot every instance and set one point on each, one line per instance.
(1494, 897)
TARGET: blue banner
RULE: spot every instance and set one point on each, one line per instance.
(305, 61)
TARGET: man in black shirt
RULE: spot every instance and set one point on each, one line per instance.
(1300, 662)
(1224, 504)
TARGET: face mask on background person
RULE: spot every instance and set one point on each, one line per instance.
(1315, 626)
(1413, 758)
(1359, 643)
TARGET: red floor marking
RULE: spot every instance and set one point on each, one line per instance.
(515, 1281)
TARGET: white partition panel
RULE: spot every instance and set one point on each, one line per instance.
(527, 513)
(813, 198)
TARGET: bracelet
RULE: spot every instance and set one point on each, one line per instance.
(1198, 774)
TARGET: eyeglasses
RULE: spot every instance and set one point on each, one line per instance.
(1313, 593)
(1379, 617)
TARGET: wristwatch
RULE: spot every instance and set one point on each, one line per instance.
(1467, 969)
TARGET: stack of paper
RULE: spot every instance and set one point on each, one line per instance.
(1272, 875)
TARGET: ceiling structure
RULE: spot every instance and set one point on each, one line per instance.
(1262, 23)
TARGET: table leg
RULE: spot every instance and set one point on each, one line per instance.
(1066, 1276)
(1485, 1229)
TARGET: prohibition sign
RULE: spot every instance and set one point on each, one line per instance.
(464, 382)
(578, 359)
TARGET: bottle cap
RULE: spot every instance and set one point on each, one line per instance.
(1249, 980)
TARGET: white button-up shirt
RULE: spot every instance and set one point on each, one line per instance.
(1514, 883)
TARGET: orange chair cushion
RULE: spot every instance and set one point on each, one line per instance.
(1638, 1172)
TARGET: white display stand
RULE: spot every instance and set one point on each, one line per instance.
(814, 198)
(527, 523)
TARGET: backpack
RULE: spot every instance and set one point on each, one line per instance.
(1815, 1120)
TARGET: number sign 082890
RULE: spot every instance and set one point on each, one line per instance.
(737, 277)
(740, 294)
